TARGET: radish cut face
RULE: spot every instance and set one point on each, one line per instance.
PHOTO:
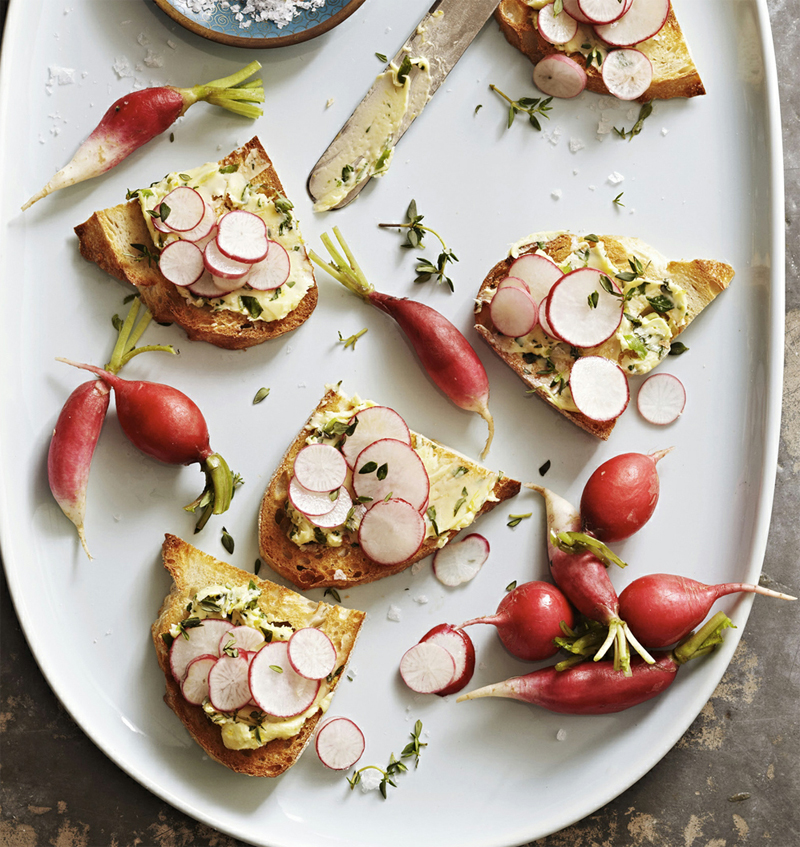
(643, 20)
(661, 399)
(427, 667)
(228, 688)
(540, 273)
(460, 561)
(206, 287)
(181, 263)
(207, 225)
(320, 467)
(275, 686)
(627, 74)
(599, 388)
(311, 653)
(272, 271)
(242, 236)
(195, 681)
(240, 638)
(559, 76)
(459, 645)
(338, 514)
(581, 311)
(391, 532)
(373, 424)
(604, 11)
(513, 282)
(218, 264)
(311, 503)
(197, 641)
(557, 29)
(513, 311)
(573, 9)
(184, 208)
(390, 468)
(339, 743)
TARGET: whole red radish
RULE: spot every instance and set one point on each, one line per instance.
(136, 118)
(661, 608)
(621, 495)
(528, 620)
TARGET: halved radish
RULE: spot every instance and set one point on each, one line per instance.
(557, 29)
(181, 263)
(194, 686)
(207, 225)
(627, 73)
(182, 209)
(661, 399)
(513, 311)
(311, 653)
(599, 388)
(604, 11)
(389, 467)
(391, 532)
(337, 515)
(220, 265)
(206, 287)
(311, 503)
(373, 424)
(559, 76)
(643, 20)
(513, 282)
(339, 743)
(196, 641)
(459, 645)
(275, 686)
(272, 271)
(540, 273)
(320, 467)
(242, 236)
(427, 667)
(228, 688)
(573, 9)
(581, 311)
(241, 638)
(460, 561)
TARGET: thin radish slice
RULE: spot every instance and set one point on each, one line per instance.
(513, 282)
(581, 311)
(195, 681)
(276, 687)
(427, 667)
(182, 209)
(181, 263)
(339, 743)
(391, 532)
(220, 265)
(311, 653)
(226, 286)
(242, 236)
(272, 271)
(543, 319)
(207, 225)
(155, 219)
(540, 274)
(460, 561)
(337, 515)
(599, 388)
(643, 20)
(513, 311)
(573, 9)
(557, 29)
(373, 424)
(196, 641)
(311, 503)
(241, 638)
(559, 76)
(604, 11)
(627, 73)
(661, 399)
(390, 468)
(459, 645)
(320, 467)
(228, 688)
(206, 287)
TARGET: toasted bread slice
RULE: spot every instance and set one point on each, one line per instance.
(193, 570)
(700, 281)
(316, 565)
(109, 237)
(674, 71)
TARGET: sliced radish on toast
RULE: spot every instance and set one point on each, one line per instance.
(459, 645)
(599, 388)
(181, 263)
(581, 311)
(373, 424)
(226, 286)
(337, 515)
(275, 686)
(311, 653)
(573, 9)
(272, 271)
(228, 687)
(241, 638)
(391, 532)
(513, 282)
(195, 681)
(459, 561)
(661, 399)
(604, 11)
(220, 265)
(427, 667)
(182, 209)
(559, 76)
(339, 743)
(207, 226)
(540, 273)
(627, 73)
(320, 467)
(311, 503)
(513, 311)
(196, 641)
(390, 468)
(242, 236)
(206, 287)
(557, 29)
(643, 20)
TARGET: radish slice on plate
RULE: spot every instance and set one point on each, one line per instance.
(272, 271)
(220, 265)
(460, 561)
(459, 645)
(320, 467)
(184, 209)
(241, 638)
(206, 287)
(389, 467)
(311, 653)
(181, 263)
(557, 29)
(391, 532)
(604, 11)
(661, 399)
(195, 681)
(373, 424)
(513, 311)
(643, 20)
(228, 688)
(339, 743)
(337, 515)
(427, 667)
(242, 236)
(559, 76)
(599, 388)
(627, 73)
(540, 273)
(311, 503)
(196, 641)
(581, 311)
(275, 686)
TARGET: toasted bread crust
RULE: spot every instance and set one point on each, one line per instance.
(674, 71)
(105, 239)
(315, 565)
(192, 570)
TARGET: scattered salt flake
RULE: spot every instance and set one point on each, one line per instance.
(592, 188)
(575, 171)
(122, 67)
(339, 574)
(394, 614)
(422, 599)
(60, 76)
(561, 735)
(553, 137)
(154, 60)
(370, 780)
(143, 39)
(416, 568)
(615, 178)
(664, 130)
(556, 194)
(172, 44)
(575, 144)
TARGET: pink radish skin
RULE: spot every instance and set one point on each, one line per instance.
(559, 76)
(72, 447)
(529, 618)
(619, 498)
(339, 743)
(459, 645)
(373, 424)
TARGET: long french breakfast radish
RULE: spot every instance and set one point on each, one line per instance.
(136, 118)
(444, 352)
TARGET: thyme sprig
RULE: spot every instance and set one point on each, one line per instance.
(350, 341)
(644, 113)
(395, 765)
(531, 106)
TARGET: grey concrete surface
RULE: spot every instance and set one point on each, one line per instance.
(732, 780)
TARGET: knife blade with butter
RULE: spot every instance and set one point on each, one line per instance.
(365, 145)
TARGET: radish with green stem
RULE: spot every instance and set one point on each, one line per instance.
(445, 353)
(136, 118)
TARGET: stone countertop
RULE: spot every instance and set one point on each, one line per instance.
(733, 779)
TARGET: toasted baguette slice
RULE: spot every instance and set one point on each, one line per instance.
(701, 280)
(192, 570)
(674, 71)
(317, 565)
(107, 238)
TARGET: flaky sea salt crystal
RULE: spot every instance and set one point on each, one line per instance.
(615, 178)
(394, 613)
(556, 194)
(575, 144)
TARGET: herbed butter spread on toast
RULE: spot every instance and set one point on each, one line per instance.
(213, 594)
(659, 299)
(125, 242)
(454, 492)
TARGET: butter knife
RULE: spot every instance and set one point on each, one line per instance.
(364, 146)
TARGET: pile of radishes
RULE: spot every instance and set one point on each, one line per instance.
(620, 25)
(213, 257)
